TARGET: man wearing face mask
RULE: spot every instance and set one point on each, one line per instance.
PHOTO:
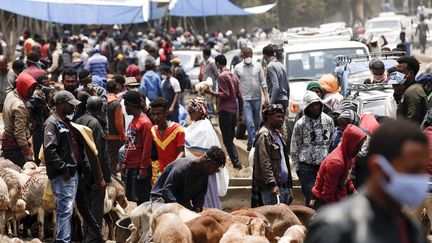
(71, 84)
(398, 161)
(410, 96)
(277, 78)
(62, 157)
(252, 82)
(379, 74)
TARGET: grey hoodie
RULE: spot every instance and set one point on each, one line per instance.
(311, 137)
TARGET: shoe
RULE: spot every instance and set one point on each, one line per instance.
(249, 147)
(238, 167)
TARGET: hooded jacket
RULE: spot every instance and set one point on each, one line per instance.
(311, 137)
(16, 115)
(333, 182)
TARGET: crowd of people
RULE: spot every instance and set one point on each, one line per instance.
(95, 111)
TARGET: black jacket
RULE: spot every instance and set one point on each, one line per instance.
(99, 136)
(57, 148)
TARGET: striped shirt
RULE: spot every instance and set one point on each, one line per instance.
(98, 66)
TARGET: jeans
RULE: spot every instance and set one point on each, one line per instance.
(307, 175)
(227, 123)
(269, 198)
(251, 112)
(65, 192)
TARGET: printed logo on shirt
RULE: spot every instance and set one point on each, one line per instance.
(131, 136)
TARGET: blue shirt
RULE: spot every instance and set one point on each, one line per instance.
(98, 65)
(284, 168)
(151, 85)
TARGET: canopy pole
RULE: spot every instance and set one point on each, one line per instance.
(205, 24)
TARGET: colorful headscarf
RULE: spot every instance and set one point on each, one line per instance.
(329, 83)
(199, 104)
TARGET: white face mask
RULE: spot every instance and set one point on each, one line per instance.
(164, 77)
(406, 189)
(248, 60)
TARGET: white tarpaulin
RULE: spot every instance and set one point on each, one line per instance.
(260, 9)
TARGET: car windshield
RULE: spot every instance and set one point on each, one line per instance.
(186, 59)
(375, 107)
(314, 64)
(391, 24)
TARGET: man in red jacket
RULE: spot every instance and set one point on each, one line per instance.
(333, 180)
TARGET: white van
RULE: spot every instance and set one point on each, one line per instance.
(390, 25)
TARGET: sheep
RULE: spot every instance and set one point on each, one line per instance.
(280, 218)
(238, 233)
(245, 212)
(33, 192)
(9, 164)
(115, 195)
(169, 228)
(303, 213)
(30, 165)
(22, 178)
(235, 233)
(205, 229)
(294, 234)
(257, 226)
(140, 218)
(4, 205)
(16, 204)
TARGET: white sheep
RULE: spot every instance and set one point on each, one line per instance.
(169, 228)
(17, 205)
(33, 192)
(295, 233)
(4, 205)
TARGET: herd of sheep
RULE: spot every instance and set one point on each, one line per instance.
(23, 195)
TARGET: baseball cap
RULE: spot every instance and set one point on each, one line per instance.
(396, 78)
(65, 96)
(131, 81)
(424, 78)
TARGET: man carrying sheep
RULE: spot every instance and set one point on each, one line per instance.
(185, 181)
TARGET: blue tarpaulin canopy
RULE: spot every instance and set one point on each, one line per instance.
(85, 11)
(199, 8)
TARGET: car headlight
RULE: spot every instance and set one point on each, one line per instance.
(294, 107)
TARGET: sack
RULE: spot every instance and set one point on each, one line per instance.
(222, 179)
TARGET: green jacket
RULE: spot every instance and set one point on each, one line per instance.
(414, 104)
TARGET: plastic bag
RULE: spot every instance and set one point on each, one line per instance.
(222, 179)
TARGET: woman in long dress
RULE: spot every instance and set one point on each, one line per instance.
(199, 137)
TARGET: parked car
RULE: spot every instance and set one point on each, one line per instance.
(390, 25)
(191, 61)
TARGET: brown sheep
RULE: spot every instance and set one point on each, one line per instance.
(256, 225)
(245, 212)
(205, 229)
(280, 218)
(303, 213)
